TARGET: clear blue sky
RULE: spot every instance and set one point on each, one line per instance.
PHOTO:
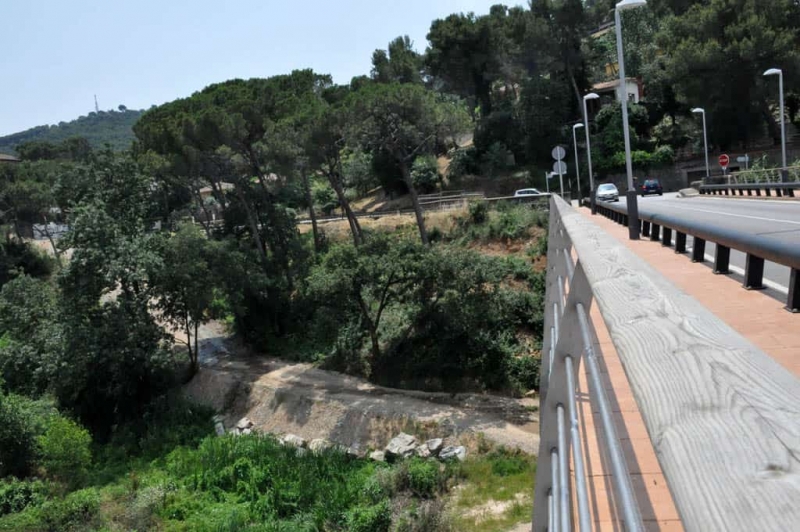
(57, 54)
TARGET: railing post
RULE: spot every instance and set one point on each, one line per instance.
(645, 228)
(699, 250)
(722, 259)
(793, 298)
(655, 232)
(754, 273)
(680, 242)
(666, 238)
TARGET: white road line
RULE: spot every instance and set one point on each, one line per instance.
(737, 215)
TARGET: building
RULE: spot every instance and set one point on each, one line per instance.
(5, 158)
(633, 90)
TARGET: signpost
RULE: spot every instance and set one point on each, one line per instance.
(724, 161)
(560, 167)
(745, 160)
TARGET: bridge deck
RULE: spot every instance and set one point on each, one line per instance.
(756, 316)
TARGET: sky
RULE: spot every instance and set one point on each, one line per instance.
(57, 54)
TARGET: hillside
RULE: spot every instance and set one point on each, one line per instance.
(113, 127)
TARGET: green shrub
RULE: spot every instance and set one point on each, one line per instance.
(78, 511)
(20, 258)
(524, 372)
(425, 174)
(17, 437)
(478, 212)
(375, 518)
(506, 463)
(16, 495)
(64, 449)
(464, 162)
(424, 478)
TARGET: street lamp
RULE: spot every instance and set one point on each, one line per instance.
(705, 138)
(632, 196)
(590, 96)
(778, 72)
(577, 168)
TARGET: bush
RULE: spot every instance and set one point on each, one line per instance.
(17, 437)
(78, 511)
(16, 495)
(20, 258)
(478, 212)
(64, 449)
(424, 478)
(375, 518)
(464, 162)
(664, 155)
(506, 463)
(524, 372)
(425, 174)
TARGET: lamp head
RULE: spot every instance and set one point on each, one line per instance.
(773, 72)
(591, 96)
(577, 126)
(698, 110)
(630, 4)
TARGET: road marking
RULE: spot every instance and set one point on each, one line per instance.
(738, 215)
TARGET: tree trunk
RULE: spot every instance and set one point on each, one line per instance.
(196, 361)
(199, 199)
(311, 212)
(773, 126)
(423, 233)
(251, 221)
(53, 244)
(355, 227)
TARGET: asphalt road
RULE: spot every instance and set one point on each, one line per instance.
(776, 219)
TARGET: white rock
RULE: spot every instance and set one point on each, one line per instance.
(423, 451)
(403, 445)
(319, 444)
(450, 452)
(219, 428)
(293, 440)
(378, 456)
(246, 431)
(434, 445)
(244, 423)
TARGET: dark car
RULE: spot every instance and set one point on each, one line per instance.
(651, 186)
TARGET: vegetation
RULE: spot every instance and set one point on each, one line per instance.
(101, 128)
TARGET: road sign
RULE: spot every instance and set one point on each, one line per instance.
(558, 153)
(724, 161)
(559, 167)
(745, 159)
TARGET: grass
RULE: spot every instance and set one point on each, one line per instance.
(501, 479)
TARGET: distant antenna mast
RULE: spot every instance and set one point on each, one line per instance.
(96, 107)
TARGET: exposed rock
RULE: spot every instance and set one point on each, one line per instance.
(423, 451)
(246, 431)
(378, 456)
(450, 452)
(688, 192)
(354, 451)
(434, 445)
(403, 446)
(293, 440)
(219, 428)
(244, 423)
(319, 444)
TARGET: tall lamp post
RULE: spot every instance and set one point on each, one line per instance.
(577, 168)
(778, 72)
(705, 139)
(592, 199)
(632, 195)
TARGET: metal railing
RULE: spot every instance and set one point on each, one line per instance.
(569, 340)
(757, 248)
(722, 416)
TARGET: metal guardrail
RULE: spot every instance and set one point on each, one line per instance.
(722, 416)
(758, 248)
(785, 189)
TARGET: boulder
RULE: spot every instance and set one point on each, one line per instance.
(246, 431)
(401, 446)
(377, 456)
(219, 427)
(422, 451)
(319, 444)
(293, 440)
(244, 423)
(450, 452)
(434, 445)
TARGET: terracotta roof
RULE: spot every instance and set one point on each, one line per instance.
(8, 158)
(610, 84)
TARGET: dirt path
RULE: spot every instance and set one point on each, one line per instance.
(283, 397)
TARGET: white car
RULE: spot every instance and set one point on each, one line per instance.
(607, 192)
(527, 192)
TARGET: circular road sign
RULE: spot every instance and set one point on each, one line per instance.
(558, 153)
(724, 161)
(560, 167)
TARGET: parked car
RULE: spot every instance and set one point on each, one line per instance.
(651, 186)
(607, 192)
(527, 192)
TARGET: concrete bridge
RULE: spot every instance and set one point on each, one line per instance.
(670, 397)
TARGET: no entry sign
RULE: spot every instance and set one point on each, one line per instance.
(724, 160)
